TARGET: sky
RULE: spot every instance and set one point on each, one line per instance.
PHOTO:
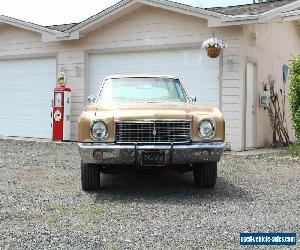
(69, 11)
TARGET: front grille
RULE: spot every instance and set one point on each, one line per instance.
(153, 131)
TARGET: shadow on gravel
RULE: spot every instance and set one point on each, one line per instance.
(166, 187)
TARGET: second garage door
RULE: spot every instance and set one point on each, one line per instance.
(199, 73)
(25, 97)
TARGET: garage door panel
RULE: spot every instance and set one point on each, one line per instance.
(196, 70)
(25, 97)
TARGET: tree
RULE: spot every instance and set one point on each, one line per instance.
(294, 95)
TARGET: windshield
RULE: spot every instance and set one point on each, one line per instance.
(153, 89)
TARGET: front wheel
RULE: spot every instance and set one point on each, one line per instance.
(90, 177)
(205, 175)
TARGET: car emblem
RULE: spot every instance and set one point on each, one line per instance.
(154, 132)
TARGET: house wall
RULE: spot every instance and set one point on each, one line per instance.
(276, 42)
(144, 29)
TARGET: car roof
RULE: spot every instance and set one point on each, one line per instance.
(140, 76)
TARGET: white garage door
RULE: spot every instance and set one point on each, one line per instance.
(198, 72)
(25, 97)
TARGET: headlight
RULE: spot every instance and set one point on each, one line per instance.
(99, 130)
(207, 129)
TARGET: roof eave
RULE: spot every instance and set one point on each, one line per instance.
(291, 15)
(173, 6)
(248, 19)
(214, 19)
(276, 12)
(28, 26)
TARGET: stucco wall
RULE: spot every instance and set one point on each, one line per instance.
(276, 42)
(145, 28)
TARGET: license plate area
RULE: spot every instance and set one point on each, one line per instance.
(153, 158)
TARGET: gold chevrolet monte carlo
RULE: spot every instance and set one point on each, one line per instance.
(148, 122)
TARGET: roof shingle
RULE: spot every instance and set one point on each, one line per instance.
(251, 9)
(62, 27)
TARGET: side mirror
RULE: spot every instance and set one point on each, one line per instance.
(91, 99)
(193, 98)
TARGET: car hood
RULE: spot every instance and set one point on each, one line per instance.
(170, 110)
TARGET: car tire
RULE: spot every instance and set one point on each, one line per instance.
(90, 177)
(205, 175)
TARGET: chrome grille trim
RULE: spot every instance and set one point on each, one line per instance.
(153, 131)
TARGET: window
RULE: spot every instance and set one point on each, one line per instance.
(134, 89)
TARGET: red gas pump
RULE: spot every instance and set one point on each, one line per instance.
(61, 110)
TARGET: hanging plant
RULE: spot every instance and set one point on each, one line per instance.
(213, 46)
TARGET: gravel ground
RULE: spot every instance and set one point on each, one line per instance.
(42, 205)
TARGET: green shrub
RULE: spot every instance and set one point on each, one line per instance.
(294, 95)
(294, 150)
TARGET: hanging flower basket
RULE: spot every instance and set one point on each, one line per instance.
(213, 52)
(213, 46)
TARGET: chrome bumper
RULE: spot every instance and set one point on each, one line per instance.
(131, 154)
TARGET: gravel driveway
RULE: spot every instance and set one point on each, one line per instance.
(42, 205)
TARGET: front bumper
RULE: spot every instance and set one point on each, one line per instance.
(131, 154)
